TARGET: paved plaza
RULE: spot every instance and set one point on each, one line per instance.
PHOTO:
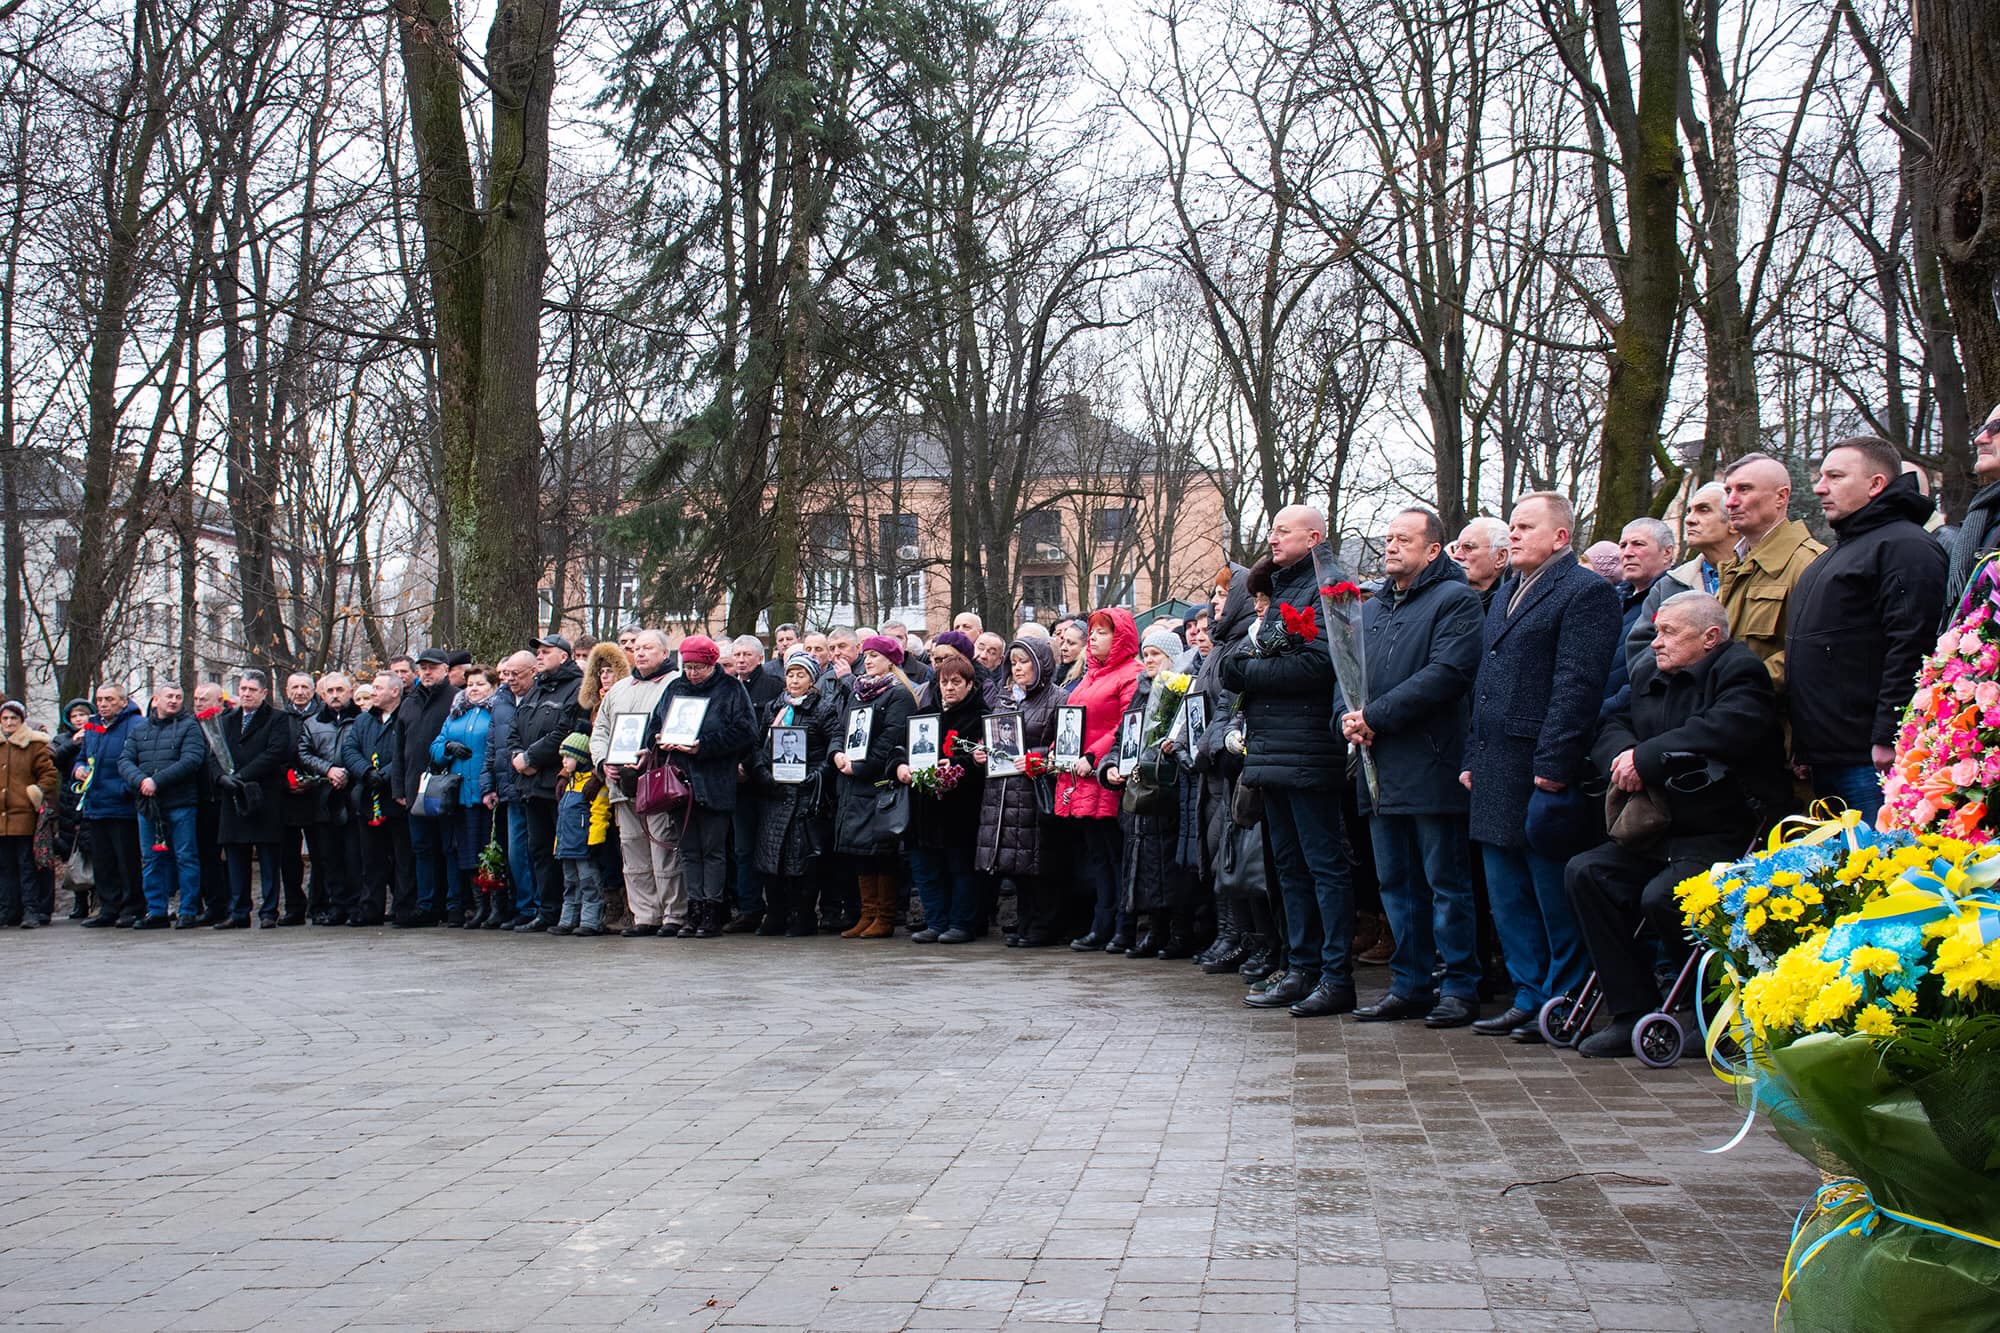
(347, 1129)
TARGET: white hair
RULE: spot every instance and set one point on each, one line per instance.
(1493, 529)
(748, 642)
(1701, 611)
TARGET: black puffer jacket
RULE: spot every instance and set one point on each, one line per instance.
(1289, 694)
(1423, 651)
(548, 713)
(728, 733)
(793, 819)
(1862, 618)
(952, 820)
(170, 751)
(425, 709)
(1148, 870)
(1214, 765)
(1010, 814)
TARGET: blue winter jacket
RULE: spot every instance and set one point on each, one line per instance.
(109, 796)
(170, 751)
(469, 724)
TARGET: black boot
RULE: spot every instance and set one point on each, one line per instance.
(804, 901)
(1180, 935)
(1257, 963)
(707, 920)
(1227, 934)
(481, 905)
(1147, 945)
(1222, 960)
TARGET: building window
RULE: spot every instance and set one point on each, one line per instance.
(1108, 525)
(66, 550)
(545, 606)
(1044, 592)
(901, 593)
(828, 536)
(62, 614)
(896, 537)
(1111, 590)
(1041, 536)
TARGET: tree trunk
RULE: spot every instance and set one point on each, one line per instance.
(1955, 45)
(1651, 281)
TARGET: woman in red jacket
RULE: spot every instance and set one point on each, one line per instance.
(1110, 679)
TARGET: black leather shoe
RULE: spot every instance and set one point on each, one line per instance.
(1393, 1008)
(1503, 1023)
(1529, 1034)
(1289, 990)
(1451, 1012)
(1146, 946)
(101, 923)
(741, 923)
(1036, 941)
(232, 923)
(1118, 944)
(1090, 943)
(185, 923)
(1327, 998)
(147, 923)
(633, 932)
(1256, 964)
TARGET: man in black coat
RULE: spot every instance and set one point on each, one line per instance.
(1549, 636)
(543, 719)
(331, 841)
(1863, 617)
(1285, 677)
(304, 806)
(251, 820)
(426, 706)
(1700, 735)
(745, 662)
(1422, 636)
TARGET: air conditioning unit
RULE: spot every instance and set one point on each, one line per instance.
(1049, 554)
(907, 553)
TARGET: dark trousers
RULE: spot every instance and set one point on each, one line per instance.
(541, 821)
(114, 859)
(1037, 908)
(1424, 863)
(1309, 853)
(270, 871)
(214, 866)
(386, 872)
(743, 847)
(705, 854)
(1611, 890)
(17, 879)
(431, 855)
(1098, 849)
(334, 872)
(292, 870)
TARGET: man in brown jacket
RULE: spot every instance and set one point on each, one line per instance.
(1771, 552)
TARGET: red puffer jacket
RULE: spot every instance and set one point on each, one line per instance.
(1104, 693)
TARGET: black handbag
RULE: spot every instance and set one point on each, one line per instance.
(1149, 788)
(875, 820)
(1240, 872)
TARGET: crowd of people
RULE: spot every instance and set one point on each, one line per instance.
(1551, 746)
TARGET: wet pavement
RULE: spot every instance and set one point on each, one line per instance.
(325, 1129)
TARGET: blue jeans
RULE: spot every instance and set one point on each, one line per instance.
(239, 854)
(1545, 951)
(1309, 851)
(946, 886)
(520, 861)
(1424, 863)
(179, 864)
(1860, 787)
(430, 851)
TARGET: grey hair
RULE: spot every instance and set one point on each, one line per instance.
(1700, 610)
(1661, 533)
(750, 641)
(1495, 529)
(657, 636)
(253, 677)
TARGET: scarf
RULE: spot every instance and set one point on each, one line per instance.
(1975, 537)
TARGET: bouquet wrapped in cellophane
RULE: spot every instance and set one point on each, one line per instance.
(1864, 997)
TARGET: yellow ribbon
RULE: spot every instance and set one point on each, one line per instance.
(1961, 889)
(1819, 824)
(1862, 1217)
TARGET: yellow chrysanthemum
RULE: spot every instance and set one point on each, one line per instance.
(1753, 920)
(1871, 960)
(1832, 1003)
(1756, 893)
(1874, 1021)
(1786, 909)
(1786, 879)
(1965, 965)
(1903, 1000)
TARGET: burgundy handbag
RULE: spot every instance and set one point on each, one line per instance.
(662, 787)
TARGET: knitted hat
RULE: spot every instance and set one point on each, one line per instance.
(16, 707)
(700, 648)
(805, 661)
(883, 644)
(951, 638)
(1165, 640)
(576, 746)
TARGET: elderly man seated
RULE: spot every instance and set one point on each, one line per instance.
(1698, 748)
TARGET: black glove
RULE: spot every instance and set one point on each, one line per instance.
(229, 782)
(458, 750)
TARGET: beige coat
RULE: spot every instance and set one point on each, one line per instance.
(1756, 591)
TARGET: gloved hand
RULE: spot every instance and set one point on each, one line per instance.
(230, 783)
(458, 750)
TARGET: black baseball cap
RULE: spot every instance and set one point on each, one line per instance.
(550, 641)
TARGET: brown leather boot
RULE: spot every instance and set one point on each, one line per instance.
(864, 887)
(882, 923)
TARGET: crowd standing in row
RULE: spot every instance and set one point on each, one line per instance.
(1554, 747)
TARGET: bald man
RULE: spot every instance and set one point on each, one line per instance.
(1771, 551)
(1295, 757)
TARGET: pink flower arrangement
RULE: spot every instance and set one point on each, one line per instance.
(1947, 766)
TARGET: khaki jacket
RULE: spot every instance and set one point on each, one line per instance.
(1756, 592)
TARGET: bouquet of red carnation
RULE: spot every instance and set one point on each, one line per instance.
(491, 874)
(297, 781)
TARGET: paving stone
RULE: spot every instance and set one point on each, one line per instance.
(335, 1129)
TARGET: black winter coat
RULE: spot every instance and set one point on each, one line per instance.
(371, 750)
(952, 820)
(1536, 698)
(1010, 814)
(1713, 728)
(425, 710)
(793, 819)
(1422, 651)
(1148, 870)
(308, 806)
(500, 759)
(252, 803)
(728, 733)
(1290, 699)
(546, 715)
(888, 745)
(1862, 619)
(171, 752)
